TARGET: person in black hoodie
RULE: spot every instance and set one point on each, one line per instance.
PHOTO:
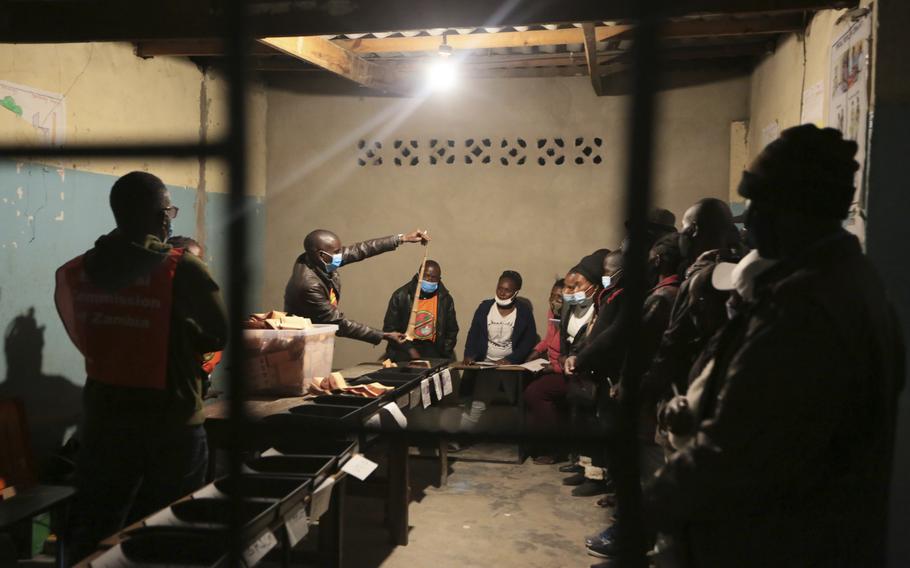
(436, 326)
(142, 313)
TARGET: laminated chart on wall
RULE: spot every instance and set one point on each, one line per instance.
(848, 110)
(43, 112)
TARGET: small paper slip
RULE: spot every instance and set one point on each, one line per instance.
(319, 503)
(437, 384)
(425, 392)
(297, 524)
(415, 398)
(209, 491)
(257, 551)
(400, 419)
(271, 452)
(164, 517)
(113, 558)
(446, 382)
(359, 466)
(535, 365)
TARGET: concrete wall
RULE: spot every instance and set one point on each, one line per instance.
(539, 220)
(54, 210)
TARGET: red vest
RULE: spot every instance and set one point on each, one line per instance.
(122, 334)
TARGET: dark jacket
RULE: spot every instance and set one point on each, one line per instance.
(524, 336)
(791, 466)
(308, 289)
(198, 325)
(398, 314)
(602, 350)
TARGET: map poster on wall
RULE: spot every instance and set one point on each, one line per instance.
(45, 112)
(849, 106)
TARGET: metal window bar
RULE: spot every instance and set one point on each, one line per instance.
(233, 149)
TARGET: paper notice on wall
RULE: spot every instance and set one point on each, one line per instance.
(44, 112)
(813, 105)
(437, 386)
(770, 133)
(446, 382)
(848, 110)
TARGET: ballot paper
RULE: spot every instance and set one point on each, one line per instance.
(319, 503)
(359, 466)
(425, 392)
(415, 398)
(297, 525)
(446, 382)
(164, 517)
(535, 365)
(209, 492)
(437, 385)
(257, 551)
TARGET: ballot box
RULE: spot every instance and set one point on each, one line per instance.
(285, 361)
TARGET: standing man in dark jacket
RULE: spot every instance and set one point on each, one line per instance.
(314, 289)
(436, 326)
(142, 313)
(791, 465)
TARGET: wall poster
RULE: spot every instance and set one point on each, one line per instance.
(849, 106)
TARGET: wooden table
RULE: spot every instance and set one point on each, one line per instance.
(32, 501)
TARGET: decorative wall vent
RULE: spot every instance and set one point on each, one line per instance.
(555, 151)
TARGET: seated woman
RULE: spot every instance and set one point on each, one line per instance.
(502, 332)
(549, 346)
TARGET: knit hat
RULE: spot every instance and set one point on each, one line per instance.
(592, 266)
(807, 169)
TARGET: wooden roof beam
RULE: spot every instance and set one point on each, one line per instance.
(332, 57)
(591, 58)
(193, 48)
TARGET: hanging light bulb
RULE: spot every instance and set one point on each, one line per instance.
(442, 73)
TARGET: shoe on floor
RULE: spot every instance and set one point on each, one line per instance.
(604, 548)
(546, 460)
(608, 533)
(571, 468)
(590, 488)
(573, 480)
(607, 501)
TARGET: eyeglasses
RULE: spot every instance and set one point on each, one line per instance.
(171, 212)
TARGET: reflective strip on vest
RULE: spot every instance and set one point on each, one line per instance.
(122, 334)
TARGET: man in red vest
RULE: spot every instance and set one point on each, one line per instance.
(141, 313)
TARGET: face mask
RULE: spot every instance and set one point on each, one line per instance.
(505, 303)
(607, 280)
(568, 299)
(428, 287)
(581, 298)
(334, 265)
(685, 244)
(744, 274)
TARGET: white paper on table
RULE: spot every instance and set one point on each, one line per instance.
(319, 503)
(446, 382)
(437, 385)
(535, 365)
(257, 551)
(113, 558)
(297, 525)
(360, 467)
(425, 392)
(271, 452)
(209, 492)
(400, 419)
(484, 364)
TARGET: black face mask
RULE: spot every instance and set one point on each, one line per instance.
(686, 245)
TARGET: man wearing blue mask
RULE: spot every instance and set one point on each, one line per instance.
(314, 288)
(436, 326)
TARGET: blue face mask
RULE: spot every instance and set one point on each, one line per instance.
(568, 299)
(428, 287)
(336, 262)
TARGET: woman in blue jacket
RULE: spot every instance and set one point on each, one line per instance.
(502, 332)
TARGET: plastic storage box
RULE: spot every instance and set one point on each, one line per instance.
(285, 361)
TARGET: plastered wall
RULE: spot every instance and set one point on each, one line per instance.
(484, 218)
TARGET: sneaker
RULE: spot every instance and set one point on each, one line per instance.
(574, 480)
(590, 488)
(607, 501)
(608, 533)
(571, 468)
(604, 548)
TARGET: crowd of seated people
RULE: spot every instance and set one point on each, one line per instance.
(767, 362)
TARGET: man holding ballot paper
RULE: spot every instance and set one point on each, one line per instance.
(314, 288)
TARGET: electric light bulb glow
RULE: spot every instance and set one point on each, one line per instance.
(442, 75)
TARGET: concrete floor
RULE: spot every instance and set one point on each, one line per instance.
(488, 515)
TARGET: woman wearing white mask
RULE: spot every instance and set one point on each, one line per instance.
(503, 332)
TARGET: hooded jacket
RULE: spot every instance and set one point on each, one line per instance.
(198, 326)
(308, 291)
(791, 464)
(399, 312)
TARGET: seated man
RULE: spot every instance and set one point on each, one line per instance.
(436, 326)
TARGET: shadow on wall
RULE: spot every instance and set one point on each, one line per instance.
(53, 404)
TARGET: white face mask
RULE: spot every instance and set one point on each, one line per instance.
(746, 271)
(607, 280)
(505, 303)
